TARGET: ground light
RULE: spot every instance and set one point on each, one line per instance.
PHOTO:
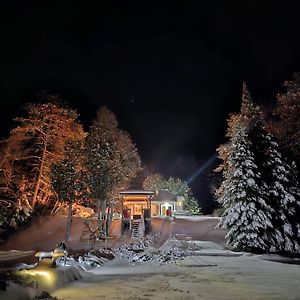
(44, 277)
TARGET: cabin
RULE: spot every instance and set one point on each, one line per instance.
(167, 203)
(137, 203)
(138, 206)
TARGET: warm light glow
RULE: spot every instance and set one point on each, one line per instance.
(137, 197)
(44, 276)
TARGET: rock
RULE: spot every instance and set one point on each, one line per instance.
(13, 223)
(46, 296)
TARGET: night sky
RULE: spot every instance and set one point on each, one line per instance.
(170, 70)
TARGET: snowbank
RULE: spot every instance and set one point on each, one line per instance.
(30, 281)
(87, 261)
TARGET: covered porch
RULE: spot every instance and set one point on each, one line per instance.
(161, 203)
(137, 204)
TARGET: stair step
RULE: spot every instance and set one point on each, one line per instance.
(138, 229)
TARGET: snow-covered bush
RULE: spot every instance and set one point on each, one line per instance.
(144, 251)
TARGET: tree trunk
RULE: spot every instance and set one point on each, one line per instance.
(99, 214)
(109, 219)
(38, 182)
(104, 216)
(69, 221)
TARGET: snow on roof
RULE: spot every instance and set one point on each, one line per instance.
(165, 196)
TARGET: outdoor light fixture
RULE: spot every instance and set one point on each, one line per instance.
(45, 277)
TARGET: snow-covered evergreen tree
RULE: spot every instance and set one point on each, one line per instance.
(68, 178)
(281, 188)
(248, 218)
(283, 195)
(277, 193)
(112, 160)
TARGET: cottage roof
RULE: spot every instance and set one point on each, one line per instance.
(136, 192)
(165, 196)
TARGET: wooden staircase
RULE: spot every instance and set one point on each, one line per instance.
(137, 229)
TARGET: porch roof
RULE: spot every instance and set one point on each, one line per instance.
(136, 193)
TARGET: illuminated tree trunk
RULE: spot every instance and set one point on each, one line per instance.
(104, 206)
(38, 182)
(109, 218)
(99, 213)
(69, 221)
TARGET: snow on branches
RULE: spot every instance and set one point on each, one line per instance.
(259, 191)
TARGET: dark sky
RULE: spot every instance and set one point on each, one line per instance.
(170, 70)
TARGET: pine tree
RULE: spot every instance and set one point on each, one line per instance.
(247, 216)
(68, 178)
(283, 194)
(111, 159)
(154, 182)
(277, 189)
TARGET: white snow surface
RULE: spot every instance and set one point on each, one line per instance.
(211, 273)
(182, 259)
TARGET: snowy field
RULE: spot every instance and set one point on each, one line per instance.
(182, 259)
(213, 273)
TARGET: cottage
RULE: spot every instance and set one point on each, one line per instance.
(137, 203)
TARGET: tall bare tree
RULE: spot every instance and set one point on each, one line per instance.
(39, 141)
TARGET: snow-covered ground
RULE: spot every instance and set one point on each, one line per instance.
(181, 259)
(197, 218)
(214, 273)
